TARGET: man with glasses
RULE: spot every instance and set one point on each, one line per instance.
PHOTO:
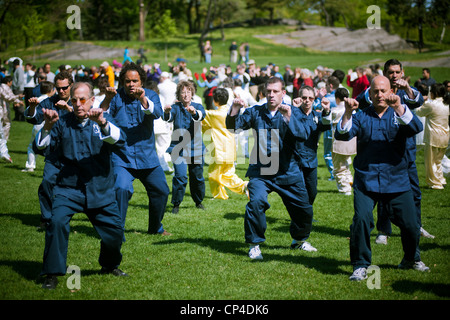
(82, 142)
(60, 102)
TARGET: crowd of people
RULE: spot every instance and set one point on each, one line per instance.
(100, 128)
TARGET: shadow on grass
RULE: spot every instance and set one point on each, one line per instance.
(409, 287)
(310, 260)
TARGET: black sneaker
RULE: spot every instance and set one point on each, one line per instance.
(115, 272)
(50, 282)
(175, 209)
(200, 206)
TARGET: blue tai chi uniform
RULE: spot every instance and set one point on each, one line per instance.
(274, 167)
(187, 152)
(85, 183)
(383, 223)
(137, 158)
(51, 164)
(381, 176)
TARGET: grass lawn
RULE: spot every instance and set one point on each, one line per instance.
(206, 257)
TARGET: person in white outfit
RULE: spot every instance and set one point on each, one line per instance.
(166, 89)
(436, 135)
(47, 90)
(342, 151)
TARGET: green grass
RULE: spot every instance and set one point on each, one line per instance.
(206, 257)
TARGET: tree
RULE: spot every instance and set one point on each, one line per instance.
(164, 28)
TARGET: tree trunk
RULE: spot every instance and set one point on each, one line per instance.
(443, 33)
(141, 21)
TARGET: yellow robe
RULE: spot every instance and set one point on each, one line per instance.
(221, 170)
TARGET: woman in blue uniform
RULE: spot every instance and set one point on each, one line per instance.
(186, 147)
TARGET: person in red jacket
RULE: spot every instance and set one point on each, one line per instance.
(358, 83)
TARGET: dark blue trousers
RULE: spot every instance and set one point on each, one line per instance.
(401, 211)
(155, 183)
(45, 190)
(106, 221)
(180, 180)
(383, 222)
(295, 199)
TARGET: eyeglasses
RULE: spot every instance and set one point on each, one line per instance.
(82, 100)
(308, 98)
(62, 88)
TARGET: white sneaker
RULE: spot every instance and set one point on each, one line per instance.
(416, 265)
(303, 245)
(359, 274)
(381, 239)
(255, 252)
(424, 233)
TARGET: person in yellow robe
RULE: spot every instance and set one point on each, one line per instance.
(222, 172)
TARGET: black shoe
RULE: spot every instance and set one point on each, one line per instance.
(115, 272)
(200, 206)
(175, 209)
(50, 282)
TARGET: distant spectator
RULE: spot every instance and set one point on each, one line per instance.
(426, 78)
(357, 81)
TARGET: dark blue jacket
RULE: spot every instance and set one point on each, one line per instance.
(139, 150)
(364, 101)
(380, 163)
(85, 156)
(274, 155)
(187, 138)
(307, 150)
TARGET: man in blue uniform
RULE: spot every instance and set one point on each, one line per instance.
(273, 164)
(381, 173)
(82, 142)
(134, 109)
(412, 98)
(186, 148)
(62, 104)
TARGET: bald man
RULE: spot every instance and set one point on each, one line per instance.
(381, 173)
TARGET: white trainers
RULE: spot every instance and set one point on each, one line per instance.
(302, 245)
(359, 274)
(424, 233)
(416, 265)
(381, 239)
(255, 252)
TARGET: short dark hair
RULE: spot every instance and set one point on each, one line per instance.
(338, 74)
(220, 95)
(334, 82)
(341, 93)
(7, 79)
(132, 67)
(46, 87)
(272, 80)
(438, 90)
(64, 75)
(391, 62)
